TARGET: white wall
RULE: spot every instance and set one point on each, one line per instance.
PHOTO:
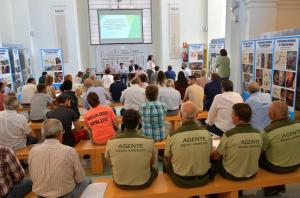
(6, 22)
(216, 19)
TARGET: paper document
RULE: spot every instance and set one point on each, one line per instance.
(95, 190)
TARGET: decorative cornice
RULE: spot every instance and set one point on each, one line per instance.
(289, 4)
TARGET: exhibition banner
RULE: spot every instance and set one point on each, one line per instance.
(264, 64)
(16, 70)
(286, 55)
(5, 67)
(214, 51)
(196, 56)
(52, 62)
(247, 52)
(25, 64)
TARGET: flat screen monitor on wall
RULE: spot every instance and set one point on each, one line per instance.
(120, 26)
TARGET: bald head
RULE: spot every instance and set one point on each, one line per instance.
(253, 87)
(278, 110)
(188, 111)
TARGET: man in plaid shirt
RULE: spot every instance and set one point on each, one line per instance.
(153, 115)
(12, 181)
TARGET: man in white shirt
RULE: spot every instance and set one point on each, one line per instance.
(28, 91)
(170, 97)
(219, 119)
(107, 78)
(134, 96)
(187, 72)
(15, 130)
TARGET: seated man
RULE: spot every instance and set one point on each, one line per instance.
(212, 89)
(218, 119)
(116, 88)
(194, 93)
(153, 115)
(188, 150)
(203, 80)
(104, 97)
(170, 97)
(259, 103)
(67, 117)
(15, 131)
(170, 74)
(132, 155)
(281, 143)
(144, 80)
(40, 102)
(54, 168)
(239, 147)
(100, 119)
(28, 91)
(12, 181)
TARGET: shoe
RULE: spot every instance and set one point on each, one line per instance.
(271, 191)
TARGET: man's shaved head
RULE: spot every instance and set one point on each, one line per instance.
(188, 111)
(278, 110)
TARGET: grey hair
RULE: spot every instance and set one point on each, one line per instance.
(188, 116)
(11, 103)
(50, 128)
(170, 83)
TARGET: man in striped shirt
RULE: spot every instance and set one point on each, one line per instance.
(55, 169)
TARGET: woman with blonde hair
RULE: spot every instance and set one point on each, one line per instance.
(49, 87)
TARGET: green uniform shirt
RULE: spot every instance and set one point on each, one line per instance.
(223, 66)
(130, 154)
(240, 148)
(189, 148)
(282, 143)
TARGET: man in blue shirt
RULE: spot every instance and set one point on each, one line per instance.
(116, 88)
(170, 74)
(212, 89)
(259, 103)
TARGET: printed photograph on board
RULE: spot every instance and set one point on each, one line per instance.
(291, 60)
(290, 80)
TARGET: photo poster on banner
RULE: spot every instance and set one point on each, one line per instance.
(5, 67)
(53, 64)
(16, 70)
(196, 56)
(25, 64)
(285, 67)
(214, 51)
(247, 53)
(264, 64)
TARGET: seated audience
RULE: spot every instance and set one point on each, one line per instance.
(39, 104)
(49, 87)
(67, 117)
(68, 77)
(170, 97)
(43, 78)
(87, 74)
(27, 91)
(139, 71)
(100, 119)
(212, 89)
(281, 143)
(259, 103)
(107, 78)
(203, 80)
(170, 74)
(218, 119)
(2, 96)
(13, 184)
(181, 84)
(153, 115)
(153, 76)
(144, 80)
(188, 150)
(194, 93)
(161, 79)
(66, 88)
(54, 168)
(133, 97)
(104, 97)
(15, 131)
(240, 147)
(116, 88)
(132, 155)
(187, 72)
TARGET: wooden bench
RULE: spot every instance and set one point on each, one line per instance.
(164, 187)
(86, 148)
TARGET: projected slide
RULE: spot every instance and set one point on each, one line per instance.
(120, 26)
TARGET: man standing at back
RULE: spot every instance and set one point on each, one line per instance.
(281, 153)
(218, 119)
(55, 169)
(223, 65)
(188, 150)
(194, 93)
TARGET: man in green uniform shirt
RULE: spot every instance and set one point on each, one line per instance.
(132, 155)
(281, 153)
(240, 147)
(188, 150)
(223, 65)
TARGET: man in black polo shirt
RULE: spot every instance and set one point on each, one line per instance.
(116, 88)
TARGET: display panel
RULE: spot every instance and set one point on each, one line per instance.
(53, 64)
(248, 57)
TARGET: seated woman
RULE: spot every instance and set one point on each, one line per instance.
(100, 119)
(66, 88)
(39, 104)
(49, 87)
(107, 78)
